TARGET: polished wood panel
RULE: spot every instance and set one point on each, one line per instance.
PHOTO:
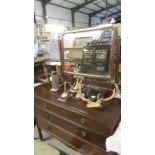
(80, 117)
(75, 129)
(73, 141)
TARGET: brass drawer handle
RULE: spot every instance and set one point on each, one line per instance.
(83, 120)
(84, 147)
(83, 133)
(44, 106)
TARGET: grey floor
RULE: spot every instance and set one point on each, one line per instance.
(56, 143)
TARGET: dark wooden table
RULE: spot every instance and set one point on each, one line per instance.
(83, 129)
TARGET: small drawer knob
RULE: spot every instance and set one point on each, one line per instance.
(49, 118)
(44, 105)
(83, 148)
(83, 120)
(83, 133)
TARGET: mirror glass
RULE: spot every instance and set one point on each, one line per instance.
(88, 52)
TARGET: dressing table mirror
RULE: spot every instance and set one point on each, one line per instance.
(89, 52)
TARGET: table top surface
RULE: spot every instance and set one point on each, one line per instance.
(40, 59)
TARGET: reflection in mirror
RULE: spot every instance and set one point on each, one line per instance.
(88, 52)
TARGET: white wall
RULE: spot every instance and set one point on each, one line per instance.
(61, 16)
(81, 20)
(58, 15)
(38, 10)
(95, 21)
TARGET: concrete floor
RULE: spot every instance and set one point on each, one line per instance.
(56, 143)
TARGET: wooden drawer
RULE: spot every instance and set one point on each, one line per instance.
(74, 129)
(86, 148)
(94, 125)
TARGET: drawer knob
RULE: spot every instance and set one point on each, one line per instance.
(44, 105)
(84, 148)
(83, 133)
(83, 120)
(49, 118)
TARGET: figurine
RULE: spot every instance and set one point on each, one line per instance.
(76, 68)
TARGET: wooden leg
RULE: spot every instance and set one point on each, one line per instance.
(34, 122)
(40, 134)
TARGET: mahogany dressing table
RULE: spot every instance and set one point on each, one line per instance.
(72, 122)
